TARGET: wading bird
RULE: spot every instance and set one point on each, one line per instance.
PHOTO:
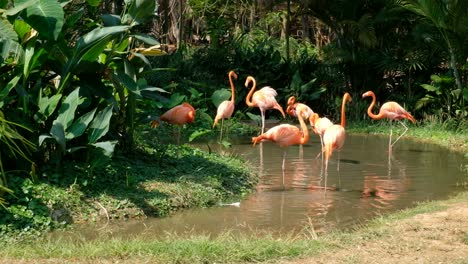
(392, 111)
(178, 115)
(226, 108)
(263, 99)
(286, 135)
(292, 108)
(334, 136)
(319, 126)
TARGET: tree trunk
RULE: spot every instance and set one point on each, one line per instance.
(288, 29)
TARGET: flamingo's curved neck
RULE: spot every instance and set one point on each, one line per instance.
(346, 98)
(248, 100)
(305, 131)
(371, 106)
(231, 74)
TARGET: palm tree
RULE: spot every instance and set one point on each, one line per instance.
(450, 19)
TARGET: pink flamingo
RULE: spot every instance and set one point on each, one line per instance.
(178, 115)
(390, 110)
(263, 99)
(285, 135)
(319, 126)
(226, 108)
(292, 108)
(334, 137)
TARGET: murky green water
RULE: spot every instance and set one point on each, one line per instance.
(369, 182)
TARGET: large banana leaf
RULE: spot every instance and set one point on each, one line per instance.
(47, 17)
(68, 108)
(46, 106)
(79, 125)
(7, 31)
(100, 125)
(139, 12)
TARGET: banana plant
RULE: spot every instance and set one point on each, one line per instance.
(76, 93)
(67, 127)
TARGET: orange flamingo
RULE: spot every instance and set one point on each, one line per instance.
(263, 99)
(319, 126)
(334, 136)
(226, 108)
(390, 110)
(292, 108)
(286, 135)
(179, 115)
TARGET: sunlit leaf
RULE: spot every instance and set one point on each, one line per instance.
(199, 133)
(7, 31)
(100, 125)
(147, 39)
(68, 108)
(139, 12)
(107, 147)
(98, 34)
(47, 17)
(48, 105)
(20, 6)
(79, 125)
(57, 131)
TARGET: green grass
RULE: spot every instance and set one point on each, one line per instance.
(437, 133)
(226, 248)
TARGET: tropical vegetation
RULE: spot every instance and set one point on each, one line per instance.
(78, 79)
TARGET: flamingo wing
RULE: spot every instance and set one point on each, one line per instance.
(284, 135)
(394, 111)
(265, 98)
(333, 139)
(322, 125)
(179, 115)
(225, 110)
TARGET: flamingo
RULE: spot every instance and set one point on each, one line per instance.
(285, 135)
(226, 108)
(178, 115)
(292, 108)
(334, 136)
(390, 110)
(319, 126)
(263, 99)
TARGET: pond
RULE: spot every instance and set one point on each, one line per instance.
(369, 183)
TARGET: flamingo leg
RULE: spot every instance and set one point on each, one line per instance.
(263, 120)
(390, 140)
(338, 165)
(326, 174)
(283, 167)
(221, 132)
(178, 134)
(404, 132)
(321, 152)
(227, 129)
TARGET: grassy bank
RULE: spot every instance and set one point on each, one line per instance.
(384, 235)
(436, 133)
(161, 179)
(154, 180)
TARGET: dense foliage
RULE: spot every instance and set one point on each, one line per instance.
(76, 77)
